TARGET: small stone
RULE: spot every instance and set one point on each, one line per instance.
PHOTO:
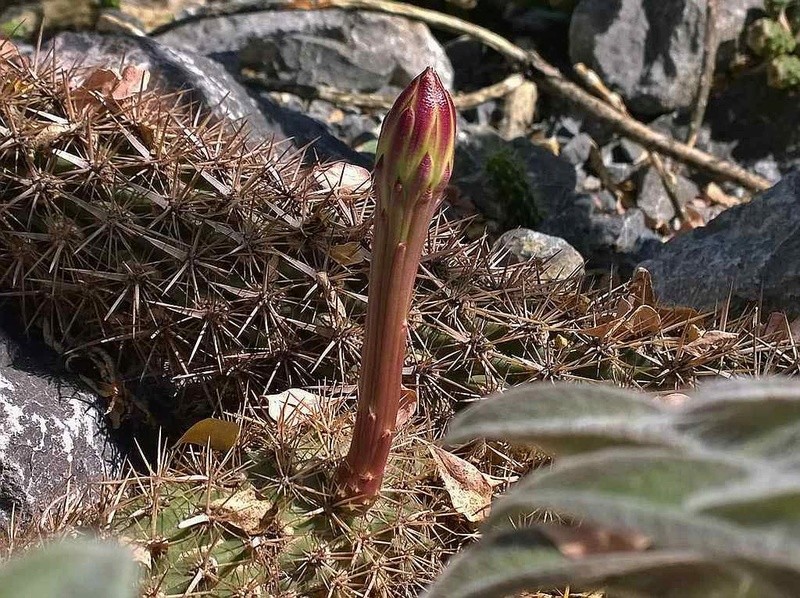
(654, 200)
(576, 150)
(559, 259)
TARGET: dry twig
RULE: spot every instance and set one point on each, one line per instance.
(710, 46)
(463, 101)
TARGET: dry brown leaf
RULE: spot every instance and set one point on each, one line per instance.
(623, 308)
(693, 332)
(777, 326)
(132, 82)
(243, 510)
(8, 49)
(469, 490)
(713, 339)
(408, 406)
(585, 540)
(643, 320)
(347, 254)
(219, 434)
(694, 218)
(112, 86)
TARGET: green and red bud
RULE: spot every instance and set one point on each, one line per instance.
(413, 166)
(417, 143)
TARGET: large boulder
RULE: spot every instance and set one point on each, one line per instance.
(650, 51)
(359, 51)
(51, 432)
(749, 252)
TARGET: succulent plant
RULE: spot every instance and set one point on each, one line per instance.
(133, 227)
(769, 38)
(783, 72)
(163, 238)
(697, 496)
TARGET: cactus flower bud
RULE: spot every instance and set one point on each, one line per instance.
(416, 144)
(413, 166)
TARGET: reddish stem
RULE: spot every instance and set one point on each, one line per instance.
(393, 270)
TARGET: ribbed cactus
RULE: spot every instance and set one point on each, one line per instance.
(187, 254)
(183, 251)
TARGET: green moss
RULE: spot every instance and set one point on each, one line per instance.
(506, 175)
(784, 72)
(768, 38)
(17, 28)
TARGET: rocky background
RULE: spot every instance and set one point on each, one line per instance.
(538, 175)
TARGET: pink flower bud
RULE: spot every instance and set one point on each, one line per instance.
(417, 143)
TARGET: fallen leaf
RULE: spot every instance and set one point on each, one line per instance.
(643, 320)
(8, 49)
(693, 332)
(347, 254)
(603, 330)
(408, 406)
(585, 540)
(623, 308)
(469, 491)
(243, 510)
(133, 81)
(219, 434)
(694, 218)
(777, 326)
(109, 85)
(710, 340)
(293, 406)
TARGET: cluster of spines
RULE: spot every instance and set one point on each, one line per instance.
(187, 252)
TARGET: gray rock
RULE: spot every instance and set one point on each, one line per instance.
(606, 239)
(653, 199)
(751, 251)
(559, 259)
(513, 182)
(519, 184)
(650, 51)
(576, 151)
(51, 433)
(353, 50)
(205, 82)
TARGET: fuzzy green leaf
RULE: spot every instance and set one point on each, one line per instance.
(510, 562)
(768, 502)
(567, 419)
(647, 491)
(72, 570)
(760, 418)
